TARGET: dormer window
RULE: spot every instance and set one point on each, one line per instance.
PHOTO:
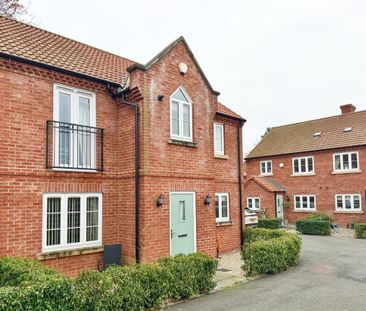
(181, 115)
(347, 129)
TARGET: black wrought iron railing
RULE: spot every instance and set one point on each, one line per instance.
(74, 146)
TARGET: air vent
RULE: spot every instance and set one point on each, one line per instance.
(347, 129)
(317, 134)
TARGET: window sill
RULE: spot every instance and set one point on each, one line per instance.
(303, 211)
(183, 143)
(74, 170)
(221, 156)
(303, 174)
(71, 252)
(266, 174)
(346, 172)
(348, 212)
(224, 223)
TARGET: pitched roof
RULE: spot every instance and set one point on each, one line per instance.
(30, 43)
(299, 137)
(267, 183)
(44, 47)
(222, 109)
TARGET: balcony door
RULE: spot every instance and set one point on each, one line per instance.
(74, 132)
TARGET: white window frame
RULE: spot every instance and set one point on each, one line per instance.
(63, 241)
(307, 172)
(253, 203)
(341, 154)
(266, 167)
(344, 209)
(302, 208)
(75, 94)
(220, 218)
(219, 152)
(181, 103)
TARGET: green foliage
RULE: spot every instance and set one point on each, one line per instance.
(269, 223)
(313, 227)
(269, 251)
(319, 216)
(26, 284)
(360, 232)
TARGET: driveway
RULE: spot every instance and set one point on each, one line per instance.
(331, 275)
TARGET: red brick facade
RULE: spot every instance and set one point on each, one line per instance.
(26, 103)
(324, 185)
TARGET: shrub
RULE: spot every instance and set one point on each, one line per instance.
(26, 284)
(319, 216)
(268, 223)
(313, 227)
(269, 251)
(360, 232)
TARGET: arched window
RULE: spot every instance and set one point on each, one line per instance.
(180, 115)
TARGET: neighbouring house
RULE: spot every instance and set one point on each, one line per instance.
(98, 150)
(311, 166)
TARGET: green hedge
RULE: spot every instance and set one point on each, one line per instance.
(313, 227)
(268, 223)
(360, 232)
(319, 216)
(269, 251)
(28, 285)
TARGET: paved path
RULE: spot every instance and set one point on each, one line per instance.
(331, 276)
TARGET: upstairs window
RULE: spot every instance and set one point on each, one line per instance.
(253, 203)
(304, 165)
(348, 202)
(180, 115)
(222, 207)
(266, 167)
(347, 161)
(219, 138)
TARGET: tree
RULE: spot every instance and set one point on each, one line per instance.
(12, 8)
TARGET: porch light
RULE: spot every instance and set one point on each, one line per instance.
(208, 199)
(160, 201)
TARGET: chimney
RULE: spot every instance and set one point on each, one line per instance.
(348, 108)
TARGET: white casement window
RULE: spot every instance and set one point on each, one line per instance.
(305, 202)
(219, 139)
(303, 165)
(253, 203)
(222, 207)
(348, 202)
(71, 221)
(74, 128)
(266, 167)
(347, 161)
(181, 115)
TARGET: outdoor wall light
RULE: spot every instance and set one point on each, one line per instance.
(160, 201)
(207, 199)
(160, 98)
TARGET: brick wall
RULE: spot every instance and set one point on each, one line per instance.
(323, 184)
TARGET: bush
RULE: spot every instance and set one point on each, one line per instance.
(145, 286)
(274, 223)
(26, 284)
(360, 232)
(319, 216)
(269, 251)
(313, 227)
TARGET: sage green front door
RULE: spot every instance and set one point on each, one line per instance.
(182, 223)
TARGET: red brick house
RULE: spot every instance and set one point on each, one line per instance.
(97, 150)
(312, 166)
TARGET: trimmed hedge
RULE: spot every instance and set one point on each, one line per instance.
(313, 227)
(268, 223)
(269, 251)
(360, 232)
(319, 216)
(28, 285)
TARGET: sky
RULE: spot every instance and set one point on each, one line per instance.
(274, 62)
